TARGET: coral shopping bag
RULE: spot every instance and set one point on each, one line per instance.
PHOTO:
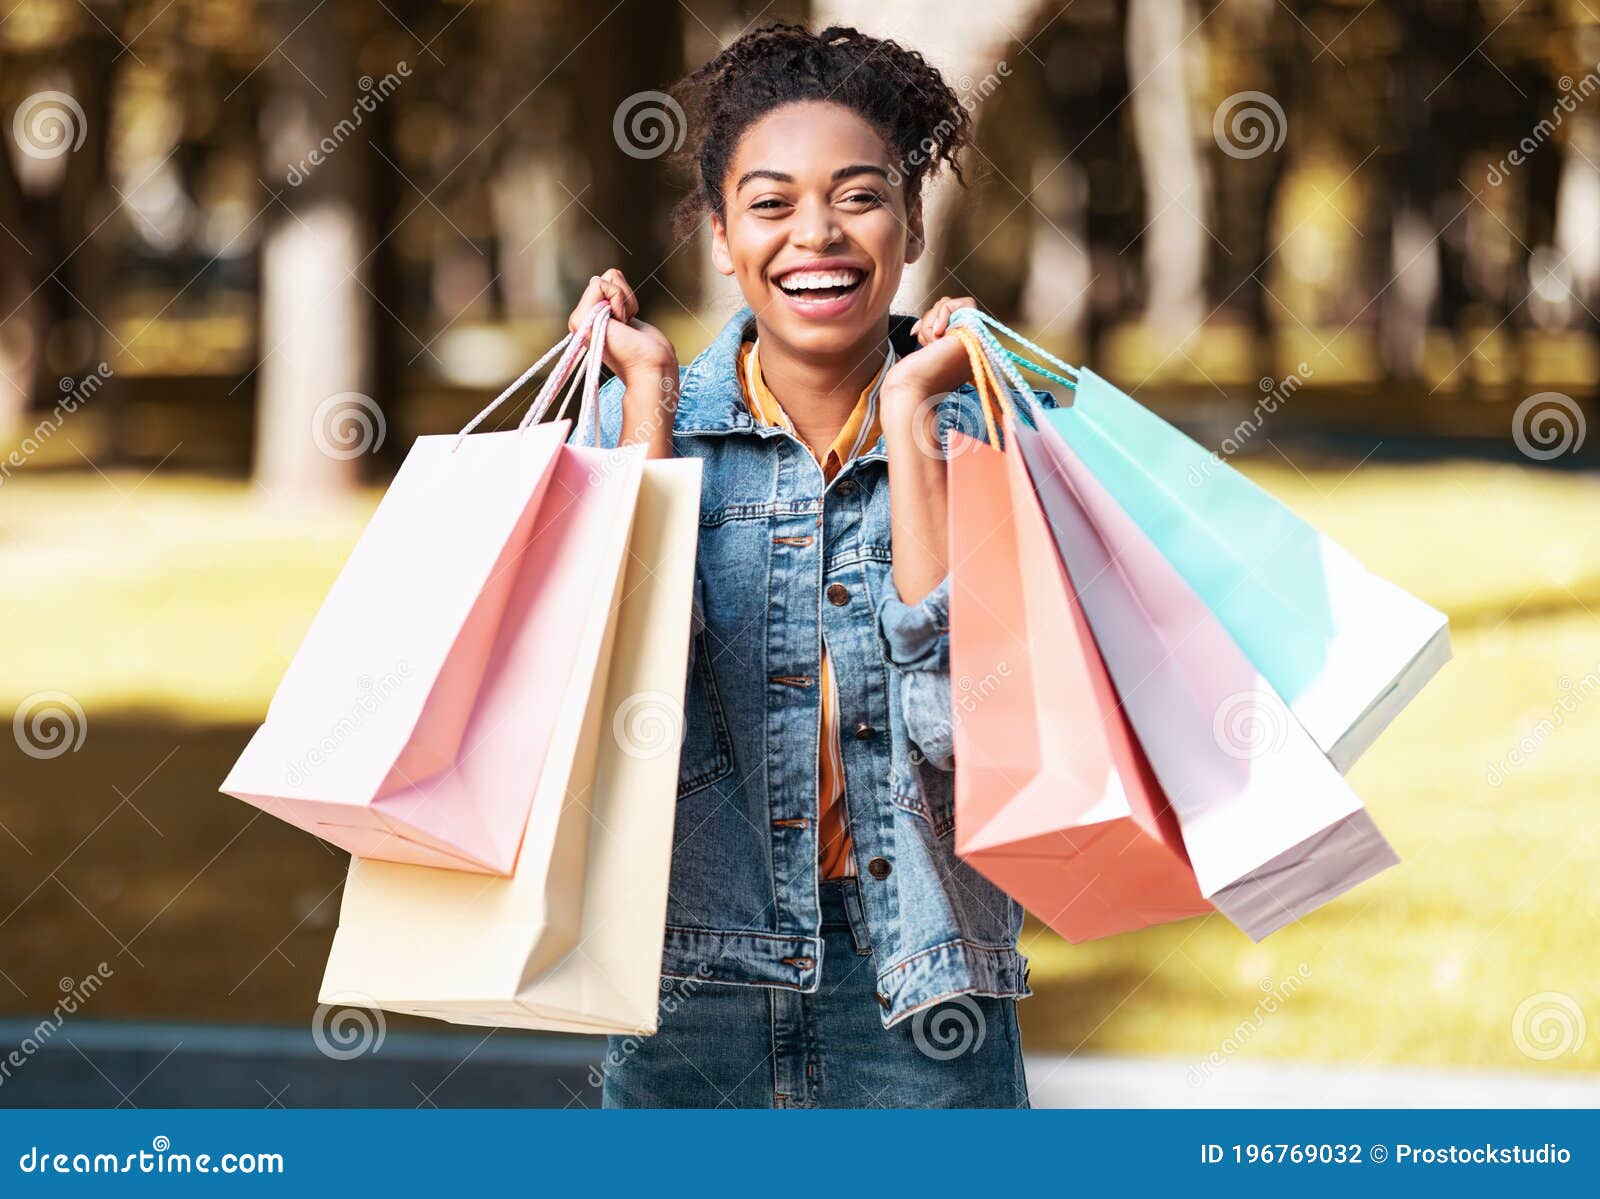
(1345, 648)
(1055, 801)
(414, 719)
(445, 944)
(1272, 829)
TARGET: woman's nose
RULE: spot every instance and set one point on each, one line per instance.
(815, 227)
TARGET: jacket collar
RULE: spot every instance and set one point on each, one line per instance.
(710, 398)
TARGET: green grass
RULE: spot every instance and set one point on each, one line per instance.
(169, 608)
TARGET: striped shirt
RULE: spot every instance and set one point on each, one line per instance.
(861, 430)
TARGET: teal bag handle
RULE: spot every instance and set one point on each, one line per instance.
(982, 323)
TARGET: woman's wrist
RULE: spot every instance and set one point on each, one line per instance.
(649, 405)
(910, 419)
(917, 490)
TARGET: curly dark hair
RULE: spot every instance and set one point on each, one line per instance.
(894, 89)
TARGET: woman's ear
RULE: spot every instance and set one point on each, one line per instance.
(915, 241)
(721, 257)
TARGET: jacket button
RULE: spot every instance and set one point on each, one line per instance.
(865, 732)
(838, 594)
(846, 487)
(879, 868)
(883, 1001)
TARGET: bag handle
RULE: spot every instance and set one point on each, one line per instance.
(986, 383)
(570, 348)
(591, 341)
(999, 367)
(982, 323)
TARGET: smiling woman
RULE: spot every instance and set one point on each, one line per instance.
(841, 954)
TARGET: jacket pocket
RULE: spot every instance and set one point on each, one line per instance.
(707, 753)
(926, 791)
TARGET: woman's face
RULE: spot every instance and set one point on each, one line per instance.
(812, 228)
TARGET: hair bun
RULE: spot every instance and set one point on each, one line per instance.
(895, 89)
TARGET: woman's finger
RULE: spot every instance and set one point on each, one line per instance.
(630, 302)
(612, 295)
(947, 309)
(924, 328)
(592, 295)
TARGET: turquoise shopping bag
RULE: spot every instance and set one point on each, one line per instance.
(1346, 649)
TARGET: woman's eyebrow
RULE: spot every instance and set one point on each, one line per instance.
(860, 169)
(762, 173)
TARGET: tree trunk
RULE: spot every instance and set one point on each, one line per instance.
(1174, 240)
(315, 420)
(967, 42)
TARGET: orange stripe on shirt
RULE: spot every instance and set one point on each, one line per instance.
(861, 430)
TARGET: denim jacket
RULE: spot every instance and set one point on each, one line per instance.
(785, 564)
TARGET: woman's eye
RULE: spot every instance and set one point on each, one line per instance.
(767, 205)
(868, 198)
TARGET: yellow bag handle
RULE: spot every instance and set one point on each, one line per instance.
(988, 385)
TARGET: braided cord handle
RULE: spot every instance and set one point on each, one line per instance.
(571, 349)
(987, 326)
(992, 397)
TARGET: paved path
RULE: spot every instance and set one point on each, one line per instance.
(1085, 1081)
(112, 1064)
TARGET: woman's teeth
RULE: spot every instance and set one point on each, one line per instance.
(820, 284)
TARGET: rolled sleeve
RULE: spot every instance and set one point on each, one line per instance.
(916, 640)
(917, 636)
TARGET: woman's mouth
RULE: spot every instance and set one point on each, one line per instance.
(821, 293)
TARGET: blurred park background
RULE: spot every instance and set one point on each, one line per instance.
(250, 248)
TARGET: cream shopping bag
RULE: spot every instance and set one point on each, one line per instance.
(458, 947)
(414, 719)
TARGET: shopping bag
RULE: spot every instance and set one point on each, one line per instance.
(414, 718)
(1272, 829)
(463, 948)
(1346, 649)
(1055, 801)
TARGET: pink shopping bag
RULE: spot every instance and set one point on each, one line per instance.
(1055, 801)
(1271, 828)
(412, 722)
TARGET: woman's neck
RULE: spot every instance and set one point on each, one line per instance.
(819, 392)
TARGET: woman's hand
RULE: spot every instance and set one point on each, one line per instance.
(940, 365)
(642, 357)
(919, 525)
(633, 350)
